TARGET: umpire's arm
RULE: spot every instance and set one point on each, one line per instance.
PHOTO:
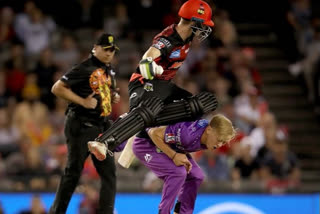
(62, 90)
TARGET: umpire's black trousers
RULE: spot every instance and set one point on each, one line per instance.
(78, 132)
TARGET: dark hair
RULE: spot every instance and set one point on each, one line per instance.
(185, 21)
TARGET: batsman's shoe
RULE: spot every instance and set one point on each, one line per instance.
(99, 150)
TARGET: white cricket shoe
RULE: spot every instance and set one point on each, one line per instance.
(99, 150)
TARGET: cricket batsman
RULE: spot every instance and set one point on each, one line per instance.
(154, 99)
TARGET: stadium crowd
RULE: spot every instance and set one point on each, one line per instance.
(39, 43)
(304, 33)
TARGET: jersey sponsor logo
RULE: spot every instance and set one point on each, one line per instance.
(202, 123)
(148, 157)
(148, 86)
(175, 54)
(170, 138)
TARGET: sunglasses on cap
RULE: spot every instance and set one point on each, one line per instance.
(112, 48)
(107, 42)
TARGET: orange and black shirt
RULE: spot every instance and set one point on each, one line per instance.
(86, 77)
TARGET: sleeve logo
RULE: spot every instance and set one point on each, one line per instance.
(165, 42)
(162, 42)
(202, 123)
(148, 157)
(170, 138)
(159, 45)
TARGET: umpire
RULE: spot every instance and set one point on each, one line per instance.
(90, 88)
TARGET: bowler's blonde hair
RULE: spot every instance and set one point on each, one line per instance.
(223, 128)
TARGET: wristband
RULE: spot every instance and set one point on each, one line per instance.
(174, 156)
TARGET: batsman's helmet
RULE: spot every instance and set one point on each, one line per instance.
(198, 11)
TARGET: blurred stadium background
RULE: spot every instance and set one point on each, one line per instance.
(262, 61)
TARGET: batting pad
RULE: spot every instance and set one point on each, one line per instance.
(187, 110)
(137, 119)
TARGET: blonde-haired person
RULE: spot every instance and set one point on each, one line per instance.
(166, 153)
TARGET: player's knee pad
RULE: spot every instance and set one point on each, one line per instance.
(131, 123)
(187, 110)
(203, 103)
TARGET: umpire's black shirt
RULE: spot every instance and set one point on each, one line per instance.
(87, 77)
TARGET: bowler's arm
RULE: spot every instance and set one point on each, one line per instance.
(157, 137)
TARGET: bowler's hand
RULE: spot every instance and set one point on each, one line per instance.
(90, 102)
(182, 160)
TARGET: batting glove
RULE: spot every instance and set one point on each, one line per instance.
(149, 68)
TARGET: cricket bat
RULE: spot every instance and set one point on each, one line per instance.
(127, 155)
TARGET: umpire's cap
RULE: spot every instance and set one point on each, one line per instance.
(107, 41)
